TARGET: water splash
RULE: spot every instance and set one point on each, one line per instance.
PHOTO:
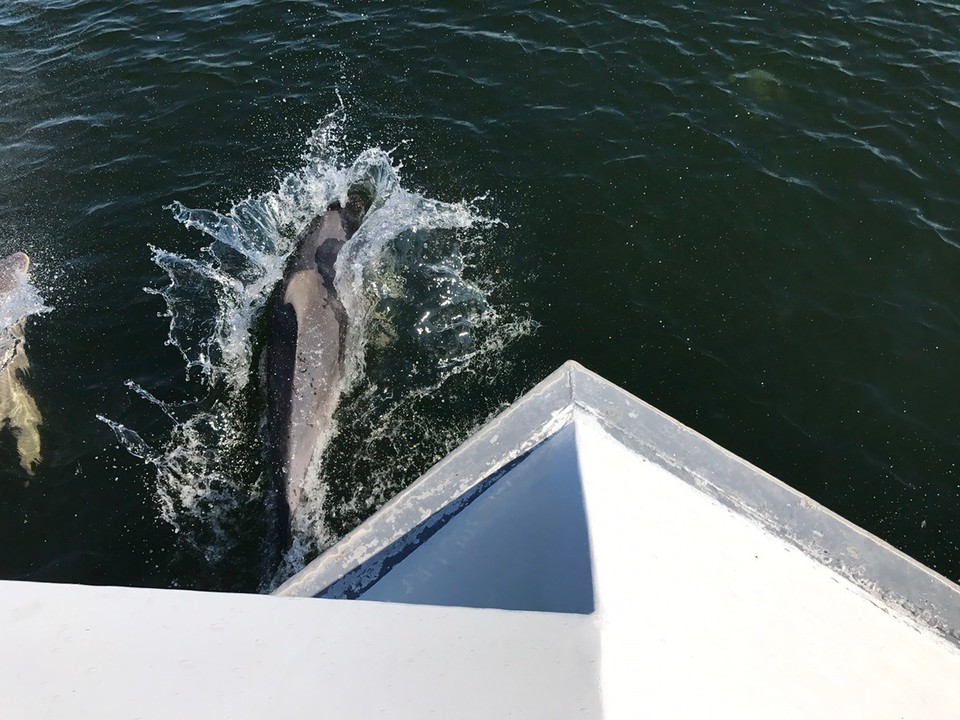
(22, 301)
(404, 279)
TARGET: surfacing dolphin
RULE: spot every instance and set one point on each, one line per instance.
(305, 351)
(18, 409)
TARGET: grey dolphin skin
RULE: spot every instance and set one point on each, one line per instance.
(305, 351)
(18, 409)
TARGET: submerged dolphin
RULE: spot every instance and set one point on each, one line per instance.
(18, 410)
(761, 84)
(305, 350)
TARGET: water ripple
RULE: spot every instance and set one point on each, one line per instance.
(750, 208)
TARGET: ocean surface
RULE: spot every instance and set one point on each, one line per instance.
(745, 215)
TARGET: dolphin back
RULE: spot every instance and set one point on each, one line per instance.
(305, 352)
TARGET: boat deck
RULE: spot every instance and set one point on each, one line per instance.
(581, 555)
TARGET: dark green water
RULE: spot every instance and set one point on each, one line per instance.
(746, 217)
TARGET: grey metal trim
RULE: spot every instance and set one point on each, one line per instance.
(891, 577)
(355, 582)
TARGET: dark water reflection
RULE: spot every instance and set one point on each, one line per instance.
(745, 216)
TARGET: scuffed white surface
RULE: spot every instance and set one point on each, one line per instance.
(704, 614)
(71, 651)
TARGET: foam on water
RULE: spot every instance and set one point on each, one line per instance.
(206, 472)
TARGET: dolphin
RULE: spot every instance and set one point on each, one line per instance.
(305, 351)
(18, 409)
(761, 84)
(11, 266)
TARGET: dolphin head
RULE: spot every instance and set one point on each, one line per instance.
(359, 199)
(12, 265)
(16, 262)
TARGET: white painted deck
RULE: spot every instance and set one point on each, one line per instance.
(602, 574)
(705, 614)
(77, 652)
